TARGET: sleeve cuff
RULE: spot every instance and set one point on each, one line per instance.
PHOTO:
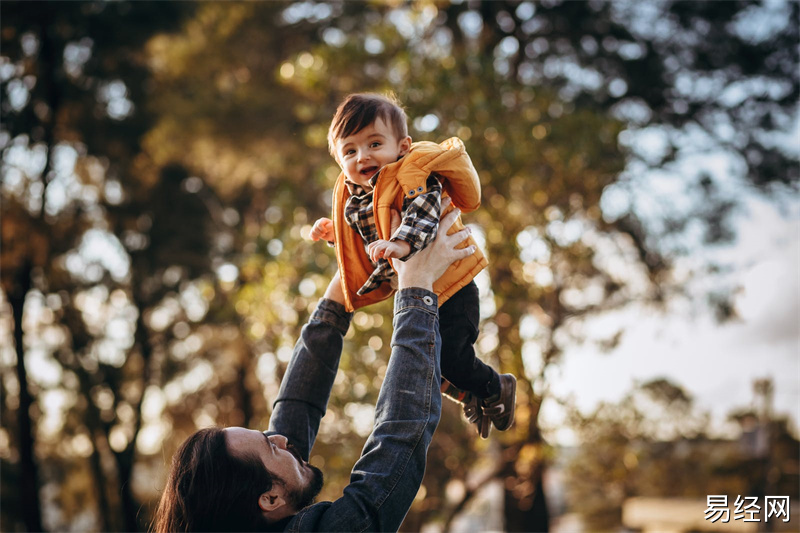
(332, 313)
(415, 297)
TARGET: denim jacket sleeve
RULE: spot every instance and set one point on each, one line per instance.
(306, 386)
(386, 478)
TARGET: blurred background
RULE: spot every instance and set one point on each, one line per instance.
(162, 163)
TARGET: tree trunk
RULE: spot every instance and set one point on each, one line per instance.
(125, 459)
(526, 509)
(96, 465)
(130, 506)
(29, 478)
(29, 483)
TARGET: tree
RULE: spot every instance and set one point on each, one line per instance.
(70, 135)
(653, 443)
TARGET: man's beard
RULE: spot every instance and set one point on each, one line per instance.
(302, 498)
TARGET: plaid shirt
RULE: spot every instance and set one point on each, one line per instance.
(418, 227)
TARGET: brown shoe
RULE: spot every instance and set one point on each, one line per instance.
(501, 411)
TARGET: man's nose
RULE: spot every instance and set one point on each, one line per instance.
(280, 441)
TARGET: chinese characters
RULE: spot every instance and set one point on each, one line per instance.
(746, 508)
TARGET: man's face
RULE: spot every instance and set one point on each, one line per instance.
(301, 481)
(362, 154)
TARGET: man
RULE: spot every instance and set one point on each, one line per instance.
(244, 480)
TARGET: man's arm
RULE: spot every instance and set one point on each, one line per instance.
(306, 386)
(385, 480)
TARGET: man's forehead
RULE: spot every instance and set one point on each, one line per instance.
(238, 434)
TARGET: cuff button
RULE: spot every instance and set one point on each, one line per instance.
(428, 300)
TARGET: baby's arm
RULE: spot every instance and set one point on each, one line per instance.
(417, 228)
(322, 229)
(420, 221)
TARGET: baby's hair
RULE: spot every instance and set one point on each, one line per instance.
(358, 111)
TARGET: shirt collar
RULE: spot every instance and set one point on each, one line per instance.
(357, 190)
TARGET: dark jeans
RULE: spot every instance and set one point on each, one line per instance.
(458, 325)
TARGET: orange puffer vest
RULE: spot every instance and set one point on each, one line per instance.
(408, 177)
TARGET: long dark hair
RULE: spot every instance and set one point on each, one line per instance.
(208, 489)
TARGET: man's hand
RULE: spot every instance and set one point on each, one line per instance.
(385, 249)
(322, 229)
(428, 265)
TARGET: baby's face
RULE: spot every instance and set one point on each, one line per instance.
(364, 153)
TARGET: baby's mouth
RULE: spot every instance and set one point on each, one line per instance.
(369, 171)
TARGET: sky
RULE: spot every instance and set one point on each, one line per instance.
(714, 362)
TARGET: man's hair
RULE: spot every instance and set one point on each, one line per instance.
(208, 489)
(358, 111)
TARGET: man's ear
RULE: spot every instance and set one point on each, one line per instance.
(405, 145)
(273, 504)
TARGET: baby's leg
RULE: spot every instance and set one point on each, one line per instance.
(458, 325)
(494, 395)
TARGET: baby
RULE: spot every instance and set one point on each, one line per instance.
(382, 173)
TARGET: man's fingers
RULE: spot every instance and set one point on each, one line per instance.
(448, 220)
(463, 253)
(460, 235)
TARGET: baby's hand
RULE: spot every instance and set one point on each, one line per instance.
(322, 229)
(385, 249)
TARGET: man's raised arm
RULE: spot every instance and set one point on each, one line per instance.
(306, 386)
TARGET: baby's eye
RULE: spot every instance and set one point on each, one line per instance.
(375, 144)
